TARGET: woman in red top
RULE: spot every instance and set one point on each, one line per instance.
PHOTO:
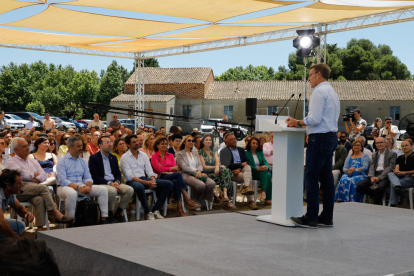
(164, 165)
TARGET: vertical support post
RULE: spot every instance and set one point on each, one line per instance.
(139, 90)
(318, 57)
(304, 93)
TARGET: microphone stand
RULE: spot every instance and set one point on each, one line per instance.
(277, 114)
(294, 116)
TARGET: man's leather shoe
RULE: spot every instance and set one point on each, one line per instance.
(247, 191)
(253, 206)
(119, 218)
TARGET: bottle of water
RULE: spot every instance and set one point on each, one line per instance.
(133, 214)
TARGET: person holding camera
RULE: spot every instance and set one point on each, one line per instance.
(356, 126)
(389, 130)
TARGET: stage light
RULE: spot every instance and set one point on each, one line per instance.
(306, 43)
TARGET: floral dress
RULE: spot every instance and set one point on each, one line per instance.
(347, 184)
(223, 179)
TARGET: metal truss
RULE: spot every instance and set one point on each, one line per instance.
(139, 91)
(71, 50)
(367, 21)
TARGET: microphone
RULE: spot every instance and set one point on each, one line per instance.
(294, 116)
(277, 115)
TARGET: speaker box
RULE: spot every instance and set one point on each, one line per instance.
(251, 107)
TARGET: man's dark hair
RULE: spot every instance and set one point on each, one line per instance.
(175, 136)
(343, 132)
(227, 134)
(409, 141)
(26, 256)
(409, 138)
(129, 137)
(8, 177)
(387, 118)
(357, 110)
(162, 127)
(174, 129)
(323, 69)
(100, 142)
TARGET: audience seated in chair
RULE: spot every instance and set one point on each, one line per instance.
(235, 159)
(402, 175)
(10, 185)
(212, 167)
(190, 166)
(63, 148)
(33, 176)
(138, 174)
(93, 145)
(382, 163)
(46, 160)
(164, 165)
(105, 171)
(260, 168)
(343, 141)
(74, 176)
(355, 171)
(365, 150)
(119, 148)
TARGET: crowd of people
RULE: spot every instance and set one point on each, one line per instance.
(360, 169)
(40, 166)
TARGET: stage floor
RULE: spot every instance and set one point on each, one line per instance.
(366, 240)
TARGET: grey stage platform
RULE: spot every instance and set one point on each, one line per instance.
(366, 240)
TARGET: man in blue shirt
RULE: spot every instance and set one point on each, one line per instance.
(322, 126)
(73, 176)
(10, 185)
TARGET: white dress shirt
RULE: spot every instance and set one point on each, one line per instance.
(380, 166)
(139, 167)
(324, 110)
(31, 124)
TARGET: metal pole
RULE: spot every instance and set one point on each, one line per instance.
(139, 90)
(304, 97)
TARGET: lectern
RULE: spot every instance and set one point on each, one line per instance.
(288, 164)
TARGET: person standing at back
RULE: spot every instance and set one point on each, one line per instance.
(322, 126)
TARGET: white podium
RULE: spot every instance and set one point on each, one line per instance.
(288, 160)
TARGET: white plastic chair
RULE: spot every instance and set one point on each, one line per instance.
(255, 184)
(139, 205)
(125, 212)
(383, 199)
(29, 205)
(208, 206)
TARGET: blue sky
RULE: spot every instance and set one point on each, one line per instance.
(397, 36)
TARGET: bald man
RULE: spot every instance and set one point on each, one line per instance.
(93, 145)
(96, 123)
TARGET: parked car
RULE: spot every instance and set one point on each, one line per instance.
(209, 127)
(78, 125)
(83, 121)
(26, 116)
(130, 123)
(14, 121)
(62, 125)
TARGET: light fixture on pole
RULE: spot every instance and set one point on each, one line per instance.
(306, 42)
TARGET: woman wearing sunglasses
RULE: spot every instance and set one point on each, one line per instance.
(191, 167)
(63, 149)
(164, 165)
(52, 148)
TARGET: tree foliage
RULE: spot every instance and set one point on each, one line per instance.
(359, 60)
(41, 88)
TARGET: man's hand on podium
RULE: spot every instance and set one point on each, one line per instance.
(291, 122)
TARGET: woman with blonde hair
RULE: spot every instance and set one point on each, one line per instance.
(191, 168)
(148, 144)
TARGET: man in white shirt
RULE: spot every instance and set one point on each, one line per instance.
(389, 130)
(96, 123)
(382, 162)
(48, 123)
(32, 123)
(138, 174)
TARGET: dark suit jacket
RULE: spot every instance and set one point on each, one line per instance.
(368, 146)
(347, 145)
(226, 158)
(390, 159)
(96, 168)
(340, 157)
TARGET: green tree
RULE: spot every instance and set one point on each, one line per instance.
(36, 107)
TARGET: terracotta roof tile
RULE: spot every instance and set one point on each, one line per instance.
(156, 75)
(147, 98)
(383, 90)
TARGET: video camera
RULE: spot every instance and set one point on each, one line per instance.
(349, 115)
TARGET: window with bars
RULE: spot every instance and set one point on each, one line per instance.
(395, 112)
(271, 109)
(228, 110)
